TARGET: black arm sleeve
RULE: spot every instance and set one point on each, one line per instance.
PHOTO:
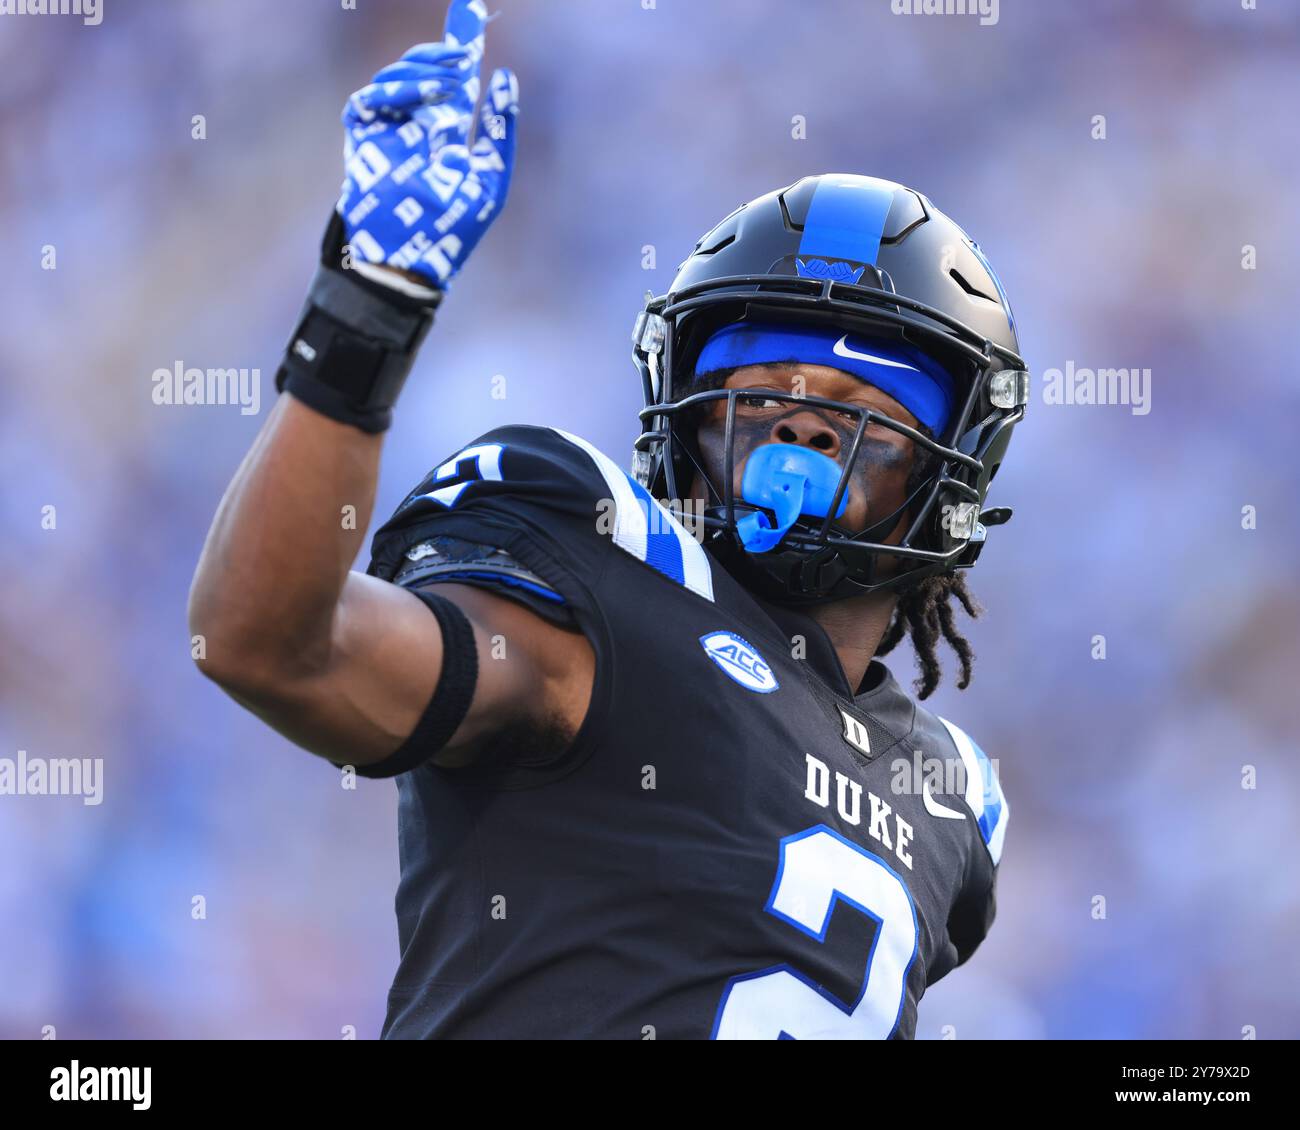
(451, 698)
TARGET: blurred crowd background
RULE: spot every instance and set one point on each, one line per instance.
(644, 126)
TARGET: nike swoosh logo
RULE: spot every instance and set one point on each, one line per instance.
(842, 350)
(934, 808)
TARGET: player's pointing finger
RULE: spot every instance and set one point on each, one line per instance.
(466, 20)
(494, 148)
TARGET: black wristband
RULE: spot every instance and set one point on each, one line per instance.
(355, 342)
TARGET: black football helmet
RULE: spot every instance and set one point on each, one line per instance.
(869, 257)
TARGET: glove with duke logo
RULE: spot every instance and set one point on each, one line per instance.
(417, 196)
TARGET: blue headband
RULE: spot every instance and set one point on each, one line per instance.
(918, 382)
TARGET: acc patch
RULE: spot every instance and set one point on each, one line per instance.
(740, 660)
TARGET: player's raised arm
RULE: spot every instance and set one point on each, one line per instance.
(344, 664)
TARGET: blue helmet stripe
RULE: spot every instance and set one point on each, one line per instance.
(846, 219)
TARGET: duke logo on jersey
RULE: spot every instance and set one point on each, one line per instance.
(677, 871)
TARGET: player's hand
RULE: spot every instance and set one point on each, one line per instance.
(417, 197)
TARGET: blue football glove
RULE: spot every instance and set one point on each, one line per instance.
(417, 196)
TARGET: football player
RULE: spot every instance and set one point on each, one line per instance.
(654, 779)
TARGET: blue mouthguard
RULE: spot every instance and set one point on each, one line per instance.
(790, 480)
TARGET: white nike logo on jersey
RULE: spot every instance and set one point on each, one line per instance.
(934, 808)
(842, 350)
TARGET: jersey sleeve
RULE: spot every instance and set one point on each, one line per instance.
(518, 511)
(973, 913)
(538, 515)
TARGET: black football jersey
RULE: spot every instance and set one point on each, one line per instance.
(735, 845)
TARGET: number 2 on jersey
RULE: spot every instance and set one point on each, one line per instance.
(817, 867)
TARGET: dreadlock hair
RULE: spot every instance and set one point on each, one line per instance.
(924, 610)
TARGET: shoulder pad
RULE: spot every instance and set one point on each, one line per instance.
(536, 466)
(538, 478)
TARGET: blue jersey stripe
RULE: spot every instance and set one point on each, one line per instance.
(662, 549)
(646, 529)
(983, 791)
(992, 794)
